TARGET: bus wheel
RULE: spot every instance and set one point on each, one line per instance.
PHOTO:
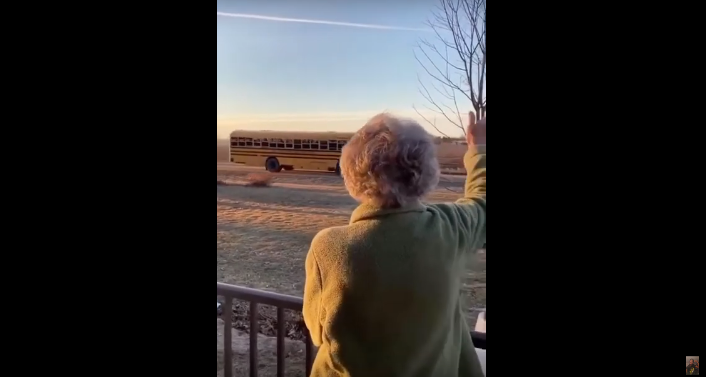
(272, 165)
(338, 169)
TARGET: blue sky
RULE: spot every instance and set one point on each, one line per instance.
(273, 74)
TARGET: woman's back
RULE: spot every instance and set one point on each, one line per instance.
(393, 307)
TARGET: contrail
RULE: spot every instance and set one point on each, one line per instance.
(320, 22)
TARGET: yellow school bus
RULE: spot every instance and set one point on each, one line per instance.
(277, 150)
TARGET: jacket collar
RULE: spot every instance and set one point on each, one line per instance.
(367, 211)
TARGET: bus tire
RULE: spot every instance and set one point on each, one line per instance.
(272, 165)
(338, 168)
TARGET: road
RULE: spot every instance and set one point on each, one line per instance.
(227, 167)
(230, 168)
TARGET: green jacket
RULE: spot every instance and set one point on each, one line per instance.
(382, 294)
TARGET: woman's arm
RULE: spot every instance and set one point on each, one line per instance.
(466, 218)
(472, 206)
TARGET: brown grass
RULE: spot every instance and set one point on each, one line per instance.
(451, 155)
(259, 180)
(222, 150)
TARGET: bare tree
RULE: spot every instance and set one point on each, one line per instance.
(455, 61)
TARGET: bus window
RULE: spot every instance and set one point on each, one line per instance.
(332, 145)
(256, 142)
(248, 141)
(323, 144)
(306, 144)
(315, 144)
(265, 142)
(241, 142)
(297, 144)
(289, 144)
(341, 143)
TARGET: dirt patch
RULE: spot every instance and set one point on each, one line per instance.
(259, 180)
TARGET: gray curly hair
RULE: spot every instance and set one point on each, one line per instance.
(390, 162)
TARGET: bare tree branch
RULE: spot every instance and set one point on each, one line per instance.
(433, 124)
(460, 69)
(440, 77)
(427, 96)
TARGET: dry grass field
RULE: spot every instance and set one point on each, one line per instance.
(222, 150)
(263, 235)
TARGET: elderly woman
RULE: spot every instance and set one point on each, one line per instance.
(382, 294)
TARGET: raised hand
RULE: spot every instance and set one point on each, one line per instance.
(475, 133)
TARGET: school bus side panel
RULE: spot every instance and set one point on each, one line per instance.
(298, 160)
(297, 150)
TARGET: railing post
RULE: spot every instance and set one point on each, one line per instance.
(254, 327)
(309, 357)
(280, 341)
(228, 338)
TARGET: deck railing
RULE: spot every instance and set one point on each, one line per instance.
(281, 302)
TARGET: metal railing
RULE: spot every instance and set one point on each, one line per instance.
(256, 297)
(281, 302)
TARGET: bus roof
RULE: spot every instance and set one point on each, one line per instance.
(293, 134)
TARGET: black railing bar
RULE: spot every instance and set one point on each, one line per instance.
(254, 329)
(228, 338)
(280, 341)
(478, 339)
(259, 296)
(309, 353)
